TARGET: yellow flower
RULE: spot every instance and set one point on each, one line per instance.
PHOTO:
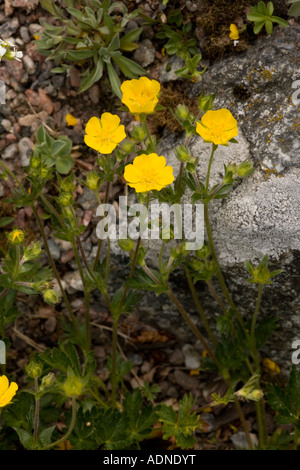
(148, 172)
(71, 120)
(140, 96)
(16, 237)
(271, 366)
(234, 32)
(7, 392)
(104, 134)
(217, 126)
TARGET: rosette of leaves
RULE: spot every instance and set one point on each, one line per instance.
(262, 16)
(91, 35)
(180, 38)
(54, 152)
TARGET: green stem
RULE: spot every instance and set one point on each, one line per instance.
(52, 209)
(114, 361)
(72, 424)
(36, 412)
(149, 136)
(243, 422)
(107, 262)
(199, 307)
(253, 324)
(161, 255)
(55, 272)
(100, 240)
(86, 296)
(214, 148)
(13, 177)
(193, 327)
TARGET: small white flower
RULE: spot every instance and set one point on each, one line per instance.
(235, 43)
(2, 51)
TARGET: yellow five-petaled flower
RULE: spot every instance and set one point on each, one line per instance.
(104, 134)
(7, 392)
(140, 96)
(218, 127)
(234, 32)
(148, 172)
(16, 237)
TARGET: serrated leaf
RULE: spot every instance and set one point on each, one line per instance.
(26, 439)
(45, 436)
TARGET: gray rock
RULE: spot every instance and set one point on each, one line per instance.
(240, 441)
(54, 249)
(6, 124)
(73, 282)
(10, 152)
(169, 68)
(192, 358)
(25, 147)
(34, 28)
(9, 28)
(29, 64)
(24, 34)
(145, 53)
(87, 200)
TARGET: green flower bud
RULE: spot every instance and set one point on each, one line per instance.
(126, 244)
(182, 153)
(256, 395)
(128, 146)
(167, 234)
(138, 133)
(191, 165)
(182, 112)
(204, 252)
(68, 212)
(16, 237)
(205, 102)
(32, 251)
(67, 184)
(65, 199)
(140, 259)
(92, 180)
(228, 179)
(47, 380)
(44, 173)
(245, 169)
(35, 161)
(51, 297)
(34, 369)
(73, 386)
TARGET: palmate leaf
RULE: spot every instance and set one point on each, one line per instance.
(286, 402)
(111, 430)
(140, 419)
(180, 425)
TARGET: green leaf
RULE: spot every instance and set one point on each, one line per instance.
(258, 27)
(64, 164)
(269, 26)
(270, 8)
(281, 21)
(114, 80)
(256, 17)
(93, 77)
(26, 439)
(45, 436)
(6, 221)
(111, 430)
(80, 54)
(295, 9)
(129, 68)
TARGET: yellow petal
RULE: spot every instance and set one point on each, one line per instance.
(71, 120)
(93, 126)
(110, 121)
(3, 384)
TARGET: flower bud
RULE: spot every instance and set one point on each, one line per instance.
(245, 169)
(92, 180)
(67, 184)
(51, 297)
(16, 237)
(205, 102)
(182, 153)
(138, 133)
(73, 386)
(204, 252)
(126, 244)
(44, 173)
(32, 251)
(35, 161)
(65, 199)
(34, 369)
(256, 395)
(183, 112)
(128, 146)
(47, 380)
